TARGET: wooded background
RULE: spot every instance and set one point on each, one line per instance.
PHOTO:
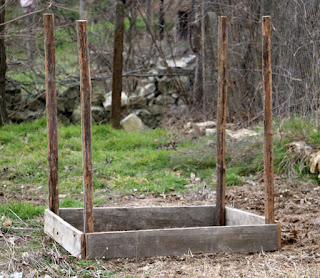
(166, 29)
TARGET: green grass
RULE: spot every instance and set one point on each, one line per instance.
(137, 162)
(23, 210)
(122, 162)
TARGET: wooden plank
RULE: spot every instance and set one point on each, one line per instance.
(179, 241)
(141, 218)
(51, 106)
(62, 232)
(267, 107)
(85, 90)
(279, 234)
(221, 122)
(236, 217)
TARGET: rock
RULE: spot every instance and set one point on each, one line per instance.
(314, 163)
(137, 101)
(164, 100)
(76, 115)
(157, 109)
(99, 89)
(166, 86)
(147, 118)
(190, 60)
(36, 104)
(210, 131)
(185, 83)
(108, 99)
(178, 63)
(241, 133)
(180, 102)
(132, 123)
(98, 114)
(208, 124)
(13, 97)
(146, 90)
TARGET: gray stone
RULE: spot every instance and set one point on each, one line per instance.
(157, 109)
(210, 131)
(132, 123)
(180, 102)
(137, 101)
(146, 90)
(151, 96)
(185, 83)
(69, 99)
(108, 100)
(166, 86)
(76, 115)
(147, 118)
(98, 114)
(164, 100)
(99, 89)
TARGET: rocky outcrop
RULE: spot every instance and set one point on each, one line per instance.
(156, 94)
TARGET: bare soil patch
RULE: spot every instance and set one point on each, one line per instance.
(296, 207)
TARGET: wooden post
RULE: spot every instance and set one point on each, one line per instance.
(221, 122)
(267, 107)
(85, 90)
(117, 66)
(51, 105)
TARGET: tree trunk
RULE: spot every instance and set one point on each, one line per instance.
(209, 30)
(161, 20)
(117, 66)
(3, 68)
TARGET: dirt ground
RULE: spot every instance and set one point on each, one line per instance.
(296, 207)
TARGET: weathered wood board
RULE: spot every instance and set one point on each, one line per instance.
(142, 218)
(179, 241)
(236, 217)
(129, 232)
(66, 235)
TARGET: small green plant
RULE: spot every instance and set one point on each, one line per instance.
(70, 203)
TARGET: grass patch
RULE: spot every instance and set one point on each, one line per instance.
(23, 210)
(70, 203)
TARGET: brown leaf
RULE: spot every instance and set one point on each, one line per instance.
(294, 233)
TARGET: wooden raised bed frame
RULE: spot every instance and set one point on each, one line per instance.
(131, 232)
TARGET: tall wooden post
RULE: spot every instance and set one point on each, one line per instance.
(85, 91)
(267, 107)
(221, 122)
(51, 106)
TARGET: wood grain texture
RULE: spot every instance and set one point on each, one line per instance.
(267, 107)
(85, 90)
(179, 241)
(221, 122)
(141, 218)
(51, 107)
(236, 217)
(66, 235)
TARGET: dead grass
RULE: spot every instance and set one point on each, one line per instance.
(297, 208)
